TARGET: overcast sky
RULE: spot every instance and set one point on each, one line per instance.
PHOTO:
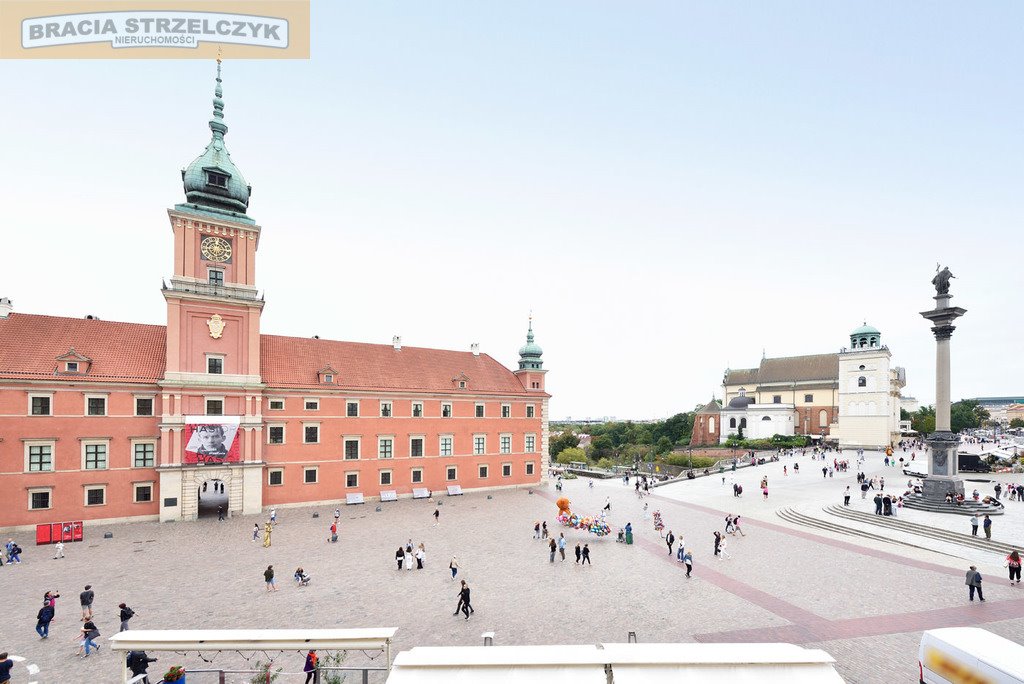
(671, 187)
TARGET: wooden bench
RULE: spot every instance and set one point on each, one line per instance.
(354, 498)
(388, 495)
(454, 490)
(420, 493)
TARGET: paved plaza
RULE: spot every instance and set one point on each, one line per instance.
(864, 602)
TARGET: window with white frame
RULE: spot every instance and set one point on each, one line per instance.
(95, 495)
(530, 410)
(309, 475)
(143, 454)
(215, 364)
(39, 457)
(479, 444)
(351, 480)
(446, 410)
(385, 409)
(311, 404)
(531, 444)
(505, 443)
(417, 475)
(276, 405)
(40, 404)
(385, 447)
(214, 406)
(40, 498)
(94, 455)
(446, 445)
(385, 478)
(352, 409)
(142, 492)
(451, 473)
(275, 433)
(143, 406)
(95, 405)
(416, 446)
(483, 471)
(311, 433)
(71, 366)
(529, 467)
(506, 410)
(351, 448)
(506, 470)
(417, 409)
(275, 477)
(479, 410)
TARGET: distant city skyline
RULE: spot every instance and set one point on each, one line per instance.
(669, 188)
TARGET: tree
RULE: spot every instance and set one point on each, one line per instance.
(563, 441)
(967, 414)
(601, 447)
(923, 420)
(571, 455)
(663, 446)
(905, 414)
(1017, 423)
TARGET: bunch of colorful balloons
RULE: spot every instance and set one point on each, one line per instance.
(595, 526)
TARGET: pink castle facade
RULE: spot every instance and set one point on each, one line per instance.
(105, 420)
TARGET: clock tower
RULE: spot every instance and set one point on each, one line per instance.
(213, 335)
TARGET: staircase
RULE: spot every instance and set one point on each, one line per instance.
(923, 530)
(969, 506)
(793, 516)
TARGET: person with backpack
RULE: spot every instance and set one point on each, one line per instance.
(310, 667)
(89, 634)
(43, 619)
(125, 615)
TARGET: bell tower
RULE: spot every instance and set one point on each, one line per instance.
(213, 330)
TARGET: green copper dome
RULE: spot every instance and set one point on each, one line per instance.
(530, 353)
(213, 182)
(866, 337)
(866, 330)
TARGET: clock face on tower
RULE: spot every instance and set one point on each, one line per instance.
(215, 249)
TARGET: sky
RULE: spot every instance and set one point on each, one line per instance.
(671, 188)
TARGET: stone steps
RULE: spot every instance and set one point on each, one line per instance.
(922, 530)
(793, 516)
(968, 508)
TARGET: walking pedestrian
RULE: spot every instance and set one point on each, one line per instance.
(670, 539)
(718, 541)
(89, 634)
(578, 552)
(273, 516)
(255, 531)
(453, 565)
(736, 526)
(268, 577)
(138, 663)
(544, 530)
(722, 545)
(536, 529)
(688, 561)
(586, 554)
(420, 555)
(43, 619)
(561, 545)
(974, 525)
(1013, 563)
(973, 583)
(437, 517)
(220, 513)
(400, 557)
(607, 503)
(6, 665)
(310, 666)
(552, 548)
(846, 496)
(337, 514)
(86, 598)
(986, 525)
(464, 604)
(125, 614)
(58, 550)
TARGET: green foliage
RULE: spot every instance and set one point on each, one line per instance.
(776, 442)
(563, 441)
(967, 414)
(336, 659)
(265, 673)
(1017, 423)
(923, 420)
(605, 463)
(905, 414)
(663, 446)
(570, 455)
(683, 461)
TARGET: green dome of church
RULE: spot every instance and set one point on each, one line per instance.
(213, 182)
(530, 353)
(866, 330)
(866, 337)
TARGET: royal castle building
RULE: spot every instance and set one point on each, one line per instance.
(851, 398)
(103, 420)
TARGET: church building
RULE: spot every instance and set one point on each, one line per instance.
(851, 398)
(103, 420)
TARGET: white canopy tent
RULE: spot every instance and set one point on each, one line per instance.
(618, 663)
(210, 640)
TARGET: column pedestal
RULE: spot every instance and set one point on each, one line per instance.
(942, 471)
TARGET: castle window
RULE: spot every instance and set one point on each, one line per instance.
(71, 366)
(215, 276)
(215, 365)
(217, 180)
(529, 410)
(711, 424)
(862, 381)
(823, 418)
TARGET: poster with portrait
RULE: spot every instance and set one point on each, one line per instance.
(211, 439)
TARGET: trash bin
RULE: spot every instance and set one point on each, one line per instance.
(629, 538)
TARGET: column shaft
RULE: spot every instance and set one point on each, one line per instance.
(942, 422)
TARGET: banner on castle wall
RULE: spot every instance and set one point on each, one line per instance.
(211, 439)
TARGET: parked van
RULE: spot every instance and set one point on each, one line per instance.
(968, 655)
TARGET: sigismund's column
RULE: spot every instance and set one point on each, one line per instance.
(942, 471)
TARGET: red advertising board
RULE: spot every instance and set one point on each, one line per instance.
(51, 533)
(43, 534)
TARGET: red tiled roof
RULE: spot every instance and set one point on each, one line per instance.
(294, 361)
(30, 345)
(135, 352)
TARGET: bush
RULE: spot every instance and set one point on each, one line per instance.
(605, 463)
(699, 462)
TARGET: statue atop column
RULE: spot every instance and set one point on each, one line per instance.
(941, 280)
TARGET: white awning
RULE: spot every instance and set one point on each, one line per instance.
(251, 639)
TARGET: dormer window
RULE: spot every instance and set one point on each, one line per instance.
(328, 378)
(462, 384)
(326, 375)
(216, 179)
(71, 366)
